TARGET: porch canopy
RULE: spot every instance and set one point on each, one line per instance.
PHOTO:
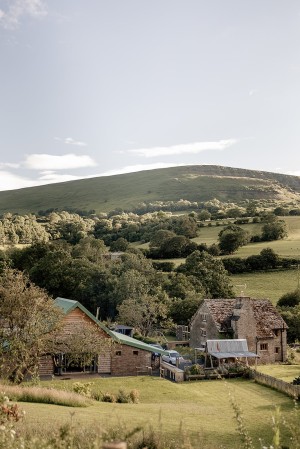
(228, 349)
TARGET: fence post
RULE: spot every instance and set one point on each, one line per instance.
(115, 445)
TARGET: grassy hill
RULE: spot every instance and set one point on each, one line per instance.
(194, 183)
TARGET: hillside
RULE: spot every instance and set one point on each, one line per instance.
(193, 183)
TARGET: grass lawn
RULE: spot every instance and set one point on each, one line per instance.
(283, 372)
(270, 284)
(202, 410)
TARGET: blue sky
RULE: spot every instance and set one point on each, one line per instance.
(100, 87)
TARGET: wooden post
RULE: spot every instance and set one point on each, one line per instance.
(115, 445)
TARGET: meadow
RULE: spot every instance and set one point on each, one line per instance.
(200, 409)
(283, 372)
(269, 284)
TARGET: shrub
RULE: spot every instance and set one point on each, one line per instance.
(296, 381)
(83, 388)
(195, 369)
(109, 397)
(8, 410)
(123, 397)
(134, 396)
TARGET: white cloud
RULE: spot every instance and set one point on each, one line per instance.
(49, 177)
(71, 141)
(8, 165)
(138, 167)
(11, 18)
(50, 162)
(191, 148)
(252, 92)
(9, 181)
(292, 173)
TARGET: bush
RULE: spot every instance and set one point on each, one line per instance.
(123, 397)
(296, 381)
(108, 397)
(134, 396)
(83, 388)
(195, 369)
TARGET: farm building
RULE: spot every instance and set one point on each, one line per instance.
(118, 354)
(255, 320)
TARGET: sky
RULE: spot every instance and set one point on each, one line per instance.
(101, 87)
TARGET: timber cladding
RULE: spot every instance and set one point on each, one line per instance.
(78, 317)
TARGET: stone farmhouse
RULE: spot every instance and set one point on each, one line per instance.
(124, 356)
(255, 320)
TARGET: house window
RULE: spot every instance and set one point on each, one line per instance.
(276, 332)
(203, 316)
(135, 352)
(203, 332)
(276, 350)
(118, 353)
(264, 346)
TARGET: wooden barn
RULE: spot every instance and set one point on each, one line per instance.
(101, 350)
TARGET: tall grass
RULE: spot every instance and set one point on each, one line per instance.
(45, 396)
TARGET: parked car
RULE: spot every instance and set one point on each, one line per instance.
(156, 345)
(172, 357)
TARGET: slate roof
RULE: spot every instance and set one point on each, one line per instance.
(266, 316)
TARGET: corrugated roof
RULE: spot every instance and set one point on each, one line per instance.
(223, 349)
(130, 341)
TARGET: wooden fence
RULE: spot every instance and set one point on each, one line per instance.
(277, 384)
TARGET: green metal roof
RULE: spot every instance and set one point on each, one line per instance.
(67, 305)
(126, 340)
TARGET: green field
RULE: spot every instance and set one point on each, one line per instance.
(202, 409)
(288, 247)
(283, 372)
(271, 284)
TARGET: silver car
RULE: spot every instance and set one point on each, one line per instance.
(173, 357)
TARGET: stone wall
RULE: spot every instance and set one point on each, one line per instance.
(203, 328)
(277, 384)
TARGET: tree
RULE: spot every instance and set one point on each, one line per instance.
(185, 225)
(280, 211)
(120, 244)
(210, 272)
(234, 212)
(90, 248)
(231, 238)
(269, 258)
(29, 319)
(290, 299)
(159, 237)
(182, 310)
(82, 343)
(274, 230)
(291, 316)
(251, 209)
(144, 313)
(204, 215)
